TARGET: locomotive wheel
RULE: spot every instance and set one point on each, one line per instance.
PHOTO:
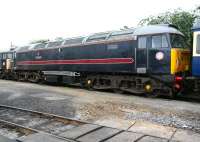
(118, 91)
(15, 76)
(157, 93)
(153, 94)
(174, 93)
(1, 76)
(34, 77)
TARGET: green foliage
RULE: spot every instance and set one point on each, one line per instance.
(182, 19)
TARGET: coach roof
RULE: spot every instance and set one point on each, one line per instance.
(196, 25)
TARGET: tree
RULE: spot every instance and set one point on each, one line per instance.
(182, 19)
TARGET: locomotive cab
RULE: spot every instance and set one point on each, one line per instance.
(7, 61)
(7, 64)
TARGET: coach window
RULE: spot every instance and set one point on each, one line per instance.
(142, 42)
(198, 44)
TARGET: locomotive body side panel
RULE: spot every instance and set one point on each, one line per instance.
(196, 53)
(114, 58)
(196, 66)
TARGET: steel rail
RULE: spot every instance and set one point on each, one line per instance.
(35, 130)
(45, 114)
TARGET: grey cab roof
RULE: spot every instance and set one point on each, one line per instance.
(156, 29)
(109, 36)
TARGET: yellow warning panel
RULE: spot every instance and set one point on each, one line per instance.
(180, 60)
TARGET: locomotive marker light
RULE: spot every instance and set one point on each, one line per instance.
(178, 78)
(177, 86)
(89, 82)
(178, 83)
(148, 87)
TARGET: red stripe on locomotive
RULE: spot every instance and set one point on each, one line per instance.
(79, 61)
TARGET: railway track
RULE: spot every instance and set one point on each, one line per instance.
(22, 122)
(13, 131)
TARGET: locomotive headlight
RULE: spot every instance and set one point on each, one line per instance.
(159, 56)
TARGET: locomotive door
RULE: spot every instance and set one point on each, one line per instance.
(141, 54)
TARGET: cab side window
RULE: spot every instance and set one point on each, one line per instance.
(4, 56)
(198, 44)
(159, 41)
(9, 56)
(142, 42)
(164, 41)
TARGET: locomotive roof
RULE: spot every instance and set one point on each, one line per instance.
(156, 29)
(108, 36)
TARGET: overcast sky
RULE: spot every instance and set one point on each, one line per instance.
(22, 21)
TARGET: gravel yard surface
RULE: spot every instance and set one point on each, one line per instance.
(116, 110)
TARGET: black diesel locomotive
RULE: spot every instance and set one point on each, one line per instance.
(146, 59)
